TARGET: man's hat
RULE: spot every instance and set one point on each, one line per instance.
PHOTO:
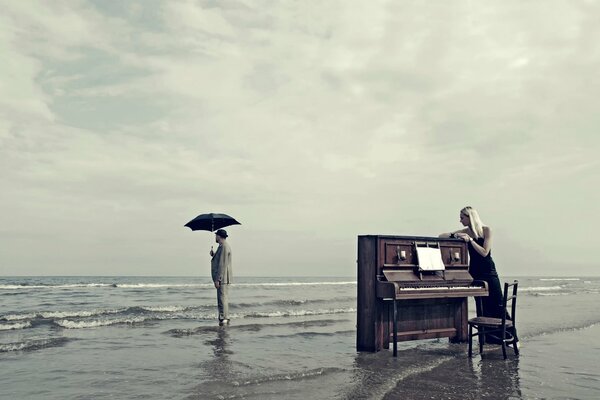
(222, 233)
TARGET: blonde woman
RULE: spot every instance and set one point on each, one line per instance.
(481, 265)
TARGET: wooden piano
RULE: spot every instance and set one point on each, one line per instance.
(425, 304)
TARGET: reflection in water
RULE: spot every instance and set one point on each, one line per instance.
(220, 344)
(497, 376)
(372, 376)
(219, 367)
(217, 371)
(432, 371)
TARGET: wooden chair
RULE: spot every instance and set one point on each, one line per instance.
(502, 328)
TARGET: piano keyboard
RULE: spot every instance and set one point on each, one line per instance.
(441, 288)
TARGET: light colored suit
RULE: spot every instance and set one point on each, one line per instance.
(221, 264)
(220, 268)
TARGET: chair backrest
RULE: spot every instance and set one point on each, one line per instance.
(513, 300)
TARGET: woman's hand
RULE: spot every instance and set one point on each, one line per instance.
(463, 236)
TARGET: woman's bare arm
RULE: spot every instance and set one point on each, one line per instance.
(450, 234)
(487, 242)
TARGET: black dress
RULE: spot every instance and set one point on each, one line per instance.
(484, 269)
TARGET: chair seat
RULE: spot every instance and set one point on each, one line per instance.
(489, 321)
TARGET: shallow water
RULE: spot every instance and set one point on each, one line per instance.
(289, 338)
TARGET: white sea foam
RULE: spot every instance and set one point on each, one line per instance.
(96, 312)
(71, 286)
(32, 344)
(169, 285)
(162, 285)
(18, 325)
(5, 348)
(69, 324)
(295, 284)
(540, 288)
(560, 279)
(210, 285)
(165, 309)
(18, 317)
(287, 376)
(16, 287)
(60, 314)
(553, 294)
(79, 313)
(298, 313)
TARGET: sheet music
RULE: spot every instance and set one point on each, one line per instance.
(430, 259)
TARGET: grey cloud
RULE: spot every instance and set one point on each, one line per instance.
(312, 123)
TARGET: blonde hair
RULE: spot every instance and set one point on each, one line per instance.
(475, 222)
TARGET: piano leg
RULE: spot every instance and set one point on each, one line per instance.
(387, 325)
(395, 327)
(470, 341)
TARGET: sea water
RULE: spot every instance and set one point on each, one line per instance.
(292, 338)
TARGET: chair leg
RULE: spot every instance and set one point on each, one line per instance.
(503, 337)
(515, 341)
(470, 340)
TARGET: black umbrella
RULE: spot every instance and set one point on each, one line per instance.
(210, 222)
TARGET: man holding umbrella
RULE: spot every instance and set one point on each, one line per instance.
(221, 260)
(221, 274)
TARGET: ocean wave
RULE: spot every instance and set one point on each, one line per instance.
(17, 317)
(80, 314)
(33, 345)
(312, 334)
(298, 313)
(558, 329)
(108, 285)
(540, 288)
(135, 315)
(319, 283)
(165, 309)
(168, 285)
(59, 314)
(268, 303)
(18, 325)
(551, 294)
(221, 389)
(292, 302)
(70, 286)
(292, 376)
(69, 324)
(162, 285)
(560, 279)
(133, 319)
(255, 327)
(97, 312)
(210, 285)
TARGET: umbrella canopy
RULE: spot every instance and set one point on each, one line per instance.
(210, 222)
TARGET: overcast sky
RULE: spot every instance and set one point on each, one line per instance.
(311, 122)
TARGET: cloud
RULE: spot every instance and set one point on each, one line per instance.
(317, 121)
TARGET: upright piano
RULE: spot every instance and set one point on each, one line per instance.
(399, 299)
